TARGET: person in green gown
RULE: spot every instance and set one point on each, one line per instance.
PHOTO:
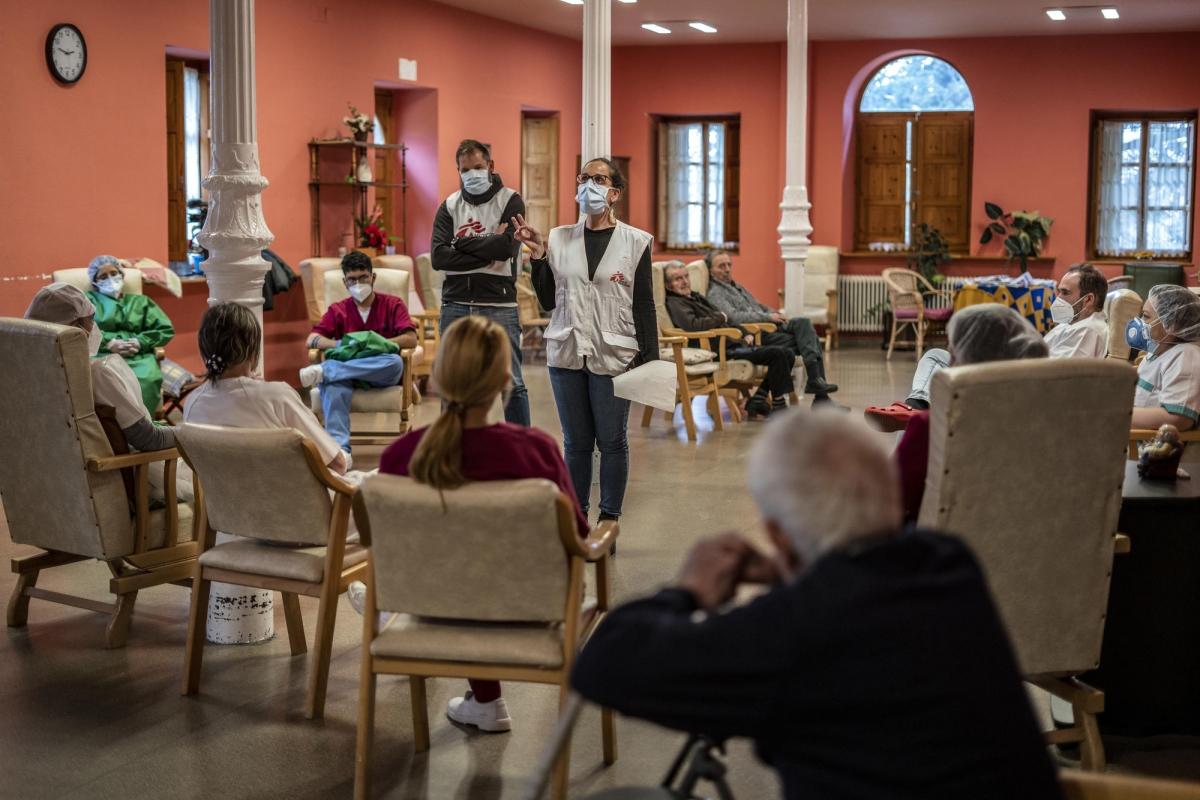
(131, 325)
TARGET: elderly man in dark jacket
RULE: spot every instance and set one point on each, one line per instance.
(796, 334)
(875, 665)
(691, 311)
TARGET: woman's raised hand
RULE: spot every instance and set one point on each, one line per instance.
(528, 235)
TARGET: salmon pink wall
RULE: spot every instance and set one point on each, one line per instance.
(84, 169)
(709, 80)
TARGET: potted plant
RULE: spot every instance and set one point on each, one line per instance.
(372, 236)
(359, 123)
(929, 252)
(1025, 232)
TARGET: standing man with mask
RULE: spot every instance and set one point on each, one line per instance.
(473, 244)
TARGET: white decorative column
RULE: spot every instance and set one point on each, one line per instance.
(597, 80)
(235, 234)
(794, 226)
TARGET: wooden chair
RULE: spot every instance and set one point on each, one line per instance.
(377, 416)
(1078, 785)
(430, 281)
(62, 486)
(488, 583)
(1139, 435)
(1048, 562)
(907, 291)
(533, 323)
(271, 488)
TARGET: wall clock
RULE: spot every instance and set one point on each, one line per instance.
(66, 53)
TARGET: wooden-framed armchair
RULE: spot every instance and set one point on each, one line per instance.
(1048, 563)
(466, 606)
(271, 488)
(63, 489)
(533, 320)
(907, 292)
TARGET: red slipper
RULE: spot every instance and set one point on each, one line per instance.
(890, 418)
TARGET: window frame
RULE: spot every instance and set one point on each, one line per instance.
(730, 205)
(1096, 118)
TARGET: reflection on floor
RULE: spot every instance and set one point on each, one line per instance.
(81, 721)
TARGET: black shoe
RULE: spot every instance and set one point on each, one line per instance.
(757, 407)
(819, 386)
(916, 403)
(823, 401)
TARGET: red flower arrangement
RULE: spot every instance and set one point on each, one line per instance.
(371, 232)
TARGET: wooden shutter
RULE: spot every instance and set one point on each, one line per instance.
(880, 177)
(662, 155)
(733, 163)
(539, 171)
(177, 239)
(942, 150)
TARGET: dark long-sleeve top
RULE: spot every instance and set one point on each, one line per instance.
(883, 671)
(462, 253)
(645, 319)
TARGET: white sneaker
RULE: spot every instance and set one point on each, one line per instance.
(349, 460)
(311, 375)
(491, 717)
(356, 593)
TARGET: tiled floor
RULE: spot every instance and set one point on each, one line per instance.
(81, 721)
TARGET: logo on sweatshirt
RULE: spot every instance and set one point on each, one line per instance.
(472, 227)
(619, 277)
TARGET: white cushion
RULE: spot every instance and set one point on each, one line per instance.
(691, 355)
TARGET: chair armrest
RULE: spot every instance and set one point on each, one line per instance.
(427, 315)
(315, 356)
(673, 340)
(1121, 543)
(598, 544)
(160, 353)
(109, 463)
(323, 473)
(760, 327)
(831, 293)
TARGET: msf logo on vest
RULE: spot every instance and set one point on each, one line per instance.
(619, 277)
(472, 227)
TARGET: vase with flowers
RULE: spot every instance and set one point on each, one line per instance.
(360, 124)
(372, 236)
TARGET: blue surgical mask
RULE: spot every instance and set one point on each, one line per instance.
(111, 286)
(592, 199)
(1137, 335)
(476, 181)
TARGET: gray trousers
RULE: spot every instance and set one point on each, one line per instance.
(930, 363)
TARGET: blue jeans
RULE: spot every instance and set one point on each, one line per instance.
(931, 362)
(592, 417)
(517, 409)
(337, 385)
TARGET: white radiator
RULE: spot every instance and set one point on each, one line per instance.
(862, 301)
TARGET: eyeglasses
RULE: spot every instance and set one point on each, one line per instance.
(601, 180)
(361, 279)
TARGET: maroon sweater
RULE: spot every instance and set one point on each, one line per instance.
(912, 457)
(502, 452)
(388, 317)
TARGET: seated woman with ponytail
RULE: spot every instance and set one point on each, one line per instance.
(471, 371)
(229, 342)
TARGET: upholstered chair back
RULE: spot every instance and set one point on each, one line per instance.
(48, 432)
(698, 275)
(820, 275)
(387, 281)
(1120, 306)
(1026, 463)
(431, 282)
(78, 277)
(660, 293)
(487, 551)
(312, 277)
(398, 261)
(258, 483)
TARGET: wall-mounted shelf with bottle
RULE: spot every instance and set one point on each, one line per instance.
(360, 205)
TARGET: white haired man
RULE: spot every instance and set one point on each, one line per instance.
(876, 666)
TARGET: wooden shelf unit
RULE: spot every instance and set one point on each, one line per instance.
(359, 201)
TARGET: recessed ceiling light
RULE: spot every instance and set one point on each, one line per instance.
(703, 27)
(627, 1)
(573, 2)
(1110, 13)
(1056, 14)
(655, 27)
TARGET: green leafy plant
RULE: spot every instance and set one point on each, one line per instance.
(929, 252)
(1024, 232)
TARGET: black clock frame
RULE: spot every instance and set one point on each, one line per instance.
(50, 53)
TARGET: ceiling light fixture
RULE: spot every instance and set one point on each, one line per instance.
(573, 2)
(628, 2)
(1056, 14)
(703, 27)
(655, 27)
(1109, 13)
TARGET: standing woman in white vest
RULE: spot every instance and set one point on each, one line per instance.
(596, 278)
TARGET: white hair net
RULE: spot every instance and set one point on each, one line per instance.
(103, 261)
(1178, 309)
(59, 303)
(992, 332)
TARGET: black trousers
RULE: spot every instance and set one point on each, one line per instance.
(798, 335)
(778, 361)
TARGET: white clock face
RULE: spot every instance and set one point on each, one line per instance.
(68, 54)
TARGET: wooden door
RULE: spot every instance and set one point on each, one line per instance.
(539, 170)
(177, 239)
(384, 166)
(881, 178)
(943, 154)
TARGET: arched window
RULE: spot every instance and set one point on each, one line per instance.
(913, 134)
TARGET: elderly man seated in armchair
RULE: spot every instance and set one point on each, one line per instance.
(796, 334)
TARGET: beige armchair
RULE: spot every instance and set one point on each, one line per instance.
(62, 486)
(443, 561)
(376, 415)
(907, 292)
(271, 488)
(1120, 306)
(312, 278)
(821, 292)
(997, 476)
(430, 281)
(134, 284)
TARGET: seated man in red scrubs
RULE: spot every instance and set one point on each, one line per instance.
(364, 310)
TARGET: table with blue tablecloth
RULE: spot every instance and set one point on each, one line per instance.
(1030, 297)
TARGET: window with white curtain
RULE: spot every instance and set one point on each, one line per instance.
(695, 166)
(1143, 176)
(191, 131)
